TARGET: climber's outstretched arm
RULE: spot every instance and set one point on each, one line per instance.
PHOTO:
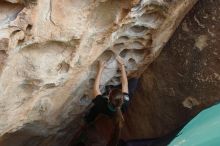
(96, 90)
(124, 80)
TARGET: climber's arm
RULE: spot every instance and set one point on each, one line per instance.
(124, 80)
(96, 90)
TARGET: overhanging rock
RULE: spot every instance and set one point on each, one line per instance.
(49, 50)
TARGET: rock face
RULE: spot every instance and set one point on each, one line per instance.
(48, 54)
(183, 80)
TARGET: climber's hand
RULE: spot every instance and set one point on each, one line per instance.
(120, 60)
(102, 64)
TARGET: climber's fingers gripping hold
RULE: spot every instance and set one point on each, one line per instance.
(101, 64)
(120, 60)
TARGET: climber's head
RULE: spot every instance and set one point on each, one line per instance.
(116, 97)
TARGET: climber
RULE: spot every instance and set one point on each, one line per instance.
(113, 102)
(107, 104)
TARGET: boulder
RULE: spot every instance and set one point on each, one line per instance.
(49, 51)
(183, 80)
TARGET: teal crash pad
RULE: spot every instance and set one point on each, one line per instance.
(202, 130)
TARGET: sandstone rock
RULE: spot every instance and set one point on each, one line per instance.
(49, 54)
(187, 70)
